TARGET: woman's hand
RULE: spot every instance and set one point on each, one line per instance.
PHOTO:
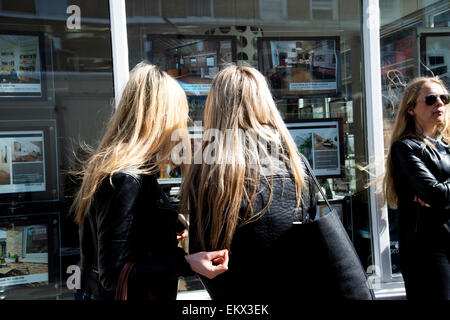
(182, 235)
(209, 264)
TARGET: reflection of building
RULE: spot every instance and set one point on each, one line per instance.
(438, 61)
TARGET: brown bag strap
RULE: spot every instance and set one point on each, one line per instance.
(122, 283)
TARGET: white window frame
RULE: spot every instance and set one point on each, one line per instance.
(385, 285)
(119, 44)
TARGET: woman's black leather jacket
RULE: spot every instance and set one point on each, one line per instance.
(132, 220)
(425, 173)
(256, 261)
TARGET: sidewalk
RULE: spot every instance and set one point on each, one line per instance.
(191, 288)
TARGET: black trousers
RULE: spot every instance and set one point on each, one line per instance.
(426, 268)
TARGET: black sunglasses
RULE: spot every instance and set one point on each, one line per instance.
(432, 98)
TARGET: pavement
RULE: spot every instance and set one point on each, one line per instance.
(189, 288)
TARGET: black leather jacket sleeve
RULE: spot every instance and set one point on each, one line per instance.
(114, 221)
(409, 167)
(117, 208)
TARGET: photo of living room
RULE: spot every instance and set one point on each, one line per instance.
(192, 60)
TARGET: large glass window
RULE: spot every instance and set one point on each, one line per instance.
(56, 90)
(311, 54)
(414, 41)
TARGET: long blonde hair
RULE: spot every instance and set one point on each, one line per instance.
(239, 101)
(405, 126)
(138, 136)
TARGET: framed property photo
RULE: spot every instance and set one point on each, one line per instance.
(29, 250)
(22, 67)
(28, 158)
(301, 66)
(192, 60)
(321, 142)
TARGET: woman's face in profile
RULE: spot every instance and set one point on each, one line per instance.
(429, 111)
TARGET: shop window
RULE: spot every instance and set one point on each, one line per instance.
(410, 47)
(314, 73)
(56, 93)
(441, 20)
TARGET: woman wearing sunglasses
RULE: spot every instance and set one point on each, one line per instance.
(417, 184)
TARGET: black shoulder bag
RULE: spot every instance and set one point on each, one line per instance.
(327, 261)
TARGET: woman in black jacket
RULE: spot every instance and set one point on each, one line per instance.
(417, 184)
(248, 191)
(123, 213)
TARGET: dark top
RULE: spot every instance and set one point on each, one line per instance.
(256, 259)
(132, 221)
(421, 172)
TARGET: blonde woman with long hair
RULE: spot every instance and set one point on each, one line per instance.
(123, 213)
(416, 183)
(249, 189)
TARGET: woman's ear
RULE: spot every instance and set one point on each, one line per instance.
(411, 112)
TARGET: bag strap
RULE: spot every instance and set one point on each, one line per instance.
(122, 283)
(311, 174)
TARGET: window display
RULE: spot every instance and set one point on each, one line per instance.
(21, 65)
(301, 66)
(22, 161)
(321, 142)
(192, 60)
(27, 161)
(28, 250)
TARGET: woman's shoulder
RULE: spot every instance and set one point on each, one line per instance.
(127, 179)
(122, 177)
(410, 142)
